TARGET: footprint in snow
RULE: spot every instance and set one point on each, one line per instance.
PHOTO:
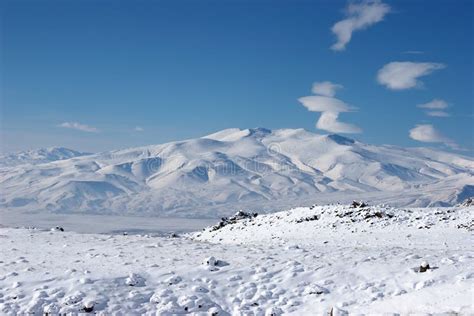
(138, 297)
(200, 289)
(74, 298)
(51, 309)
(173, 280)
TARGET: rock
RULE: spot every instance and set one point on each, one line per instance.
(360, 204)
(240, 215)
(467, 202)
(424, 266)
(57, 229)
(88, 306)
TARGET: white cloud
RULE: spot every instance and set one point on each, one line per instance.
(329, 107)
(326, 88)
(359, 16)
(317, 103)
(399, 75)
(428, 134)
(328, 122)
(436, 104)
(438, 113)
(79, 126)
(139, 129)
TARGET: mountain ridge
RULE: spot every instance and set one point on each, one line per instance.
(37, 156)
(251, 168)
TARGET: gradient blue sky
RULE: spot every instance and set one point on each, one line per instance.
(183, 69)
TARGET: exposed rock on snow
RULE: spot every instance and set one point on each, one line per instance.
(424, 266)
(88, 306)
(467, 202)
(356, 204)
(233, 219)
(335, 216)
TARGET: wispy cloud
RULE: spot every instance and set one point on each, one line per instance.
(79, 127)
(329, 107)
(326, 88)
(438, 113)
(400, 75)
(139, 129)
(428, 134)
(359, 16)
(437, 106)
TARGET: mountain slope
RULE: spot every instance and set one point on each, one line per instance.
(43, 155)
(252, 168)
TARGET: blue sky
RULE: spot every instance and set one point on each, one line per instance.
(86, 74)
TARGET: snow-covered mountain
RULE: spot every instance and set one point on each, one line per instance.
(38, 156)
(233, 168)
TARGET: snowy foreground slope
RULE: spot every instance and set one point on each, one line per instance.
(306, 261)
(232, 169)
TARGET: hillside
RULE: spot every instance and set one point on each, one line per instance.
(231, 169)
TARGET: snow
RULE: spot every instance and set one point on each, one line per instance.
(309, 260)
(39, 156)
(214, 175)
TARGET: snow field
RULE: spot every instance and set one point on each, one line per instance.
(347, 260)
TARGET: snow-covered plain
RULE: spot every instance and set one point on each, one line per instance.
(305, 261)
(214, 175)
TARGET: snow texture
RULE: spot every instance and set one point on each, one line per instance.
(332, 259)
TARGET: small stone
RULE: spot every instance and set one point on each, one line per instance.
(88, 306)
(424, 266)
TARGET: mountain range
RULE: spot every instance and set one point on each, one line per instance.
(219, 173)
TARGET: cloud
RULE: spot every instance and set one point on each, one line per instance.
(326, 88)
(328, 122)
(79, 126)
(329, 107)
(139, 129)
(428, 134)
(400, 75)
(438, 113)
(359, 16)
(436, 104)
(317, 103)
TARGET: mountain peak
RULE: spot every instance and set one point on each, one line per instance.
(259, 131)
(233, 168)
(341, 140)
